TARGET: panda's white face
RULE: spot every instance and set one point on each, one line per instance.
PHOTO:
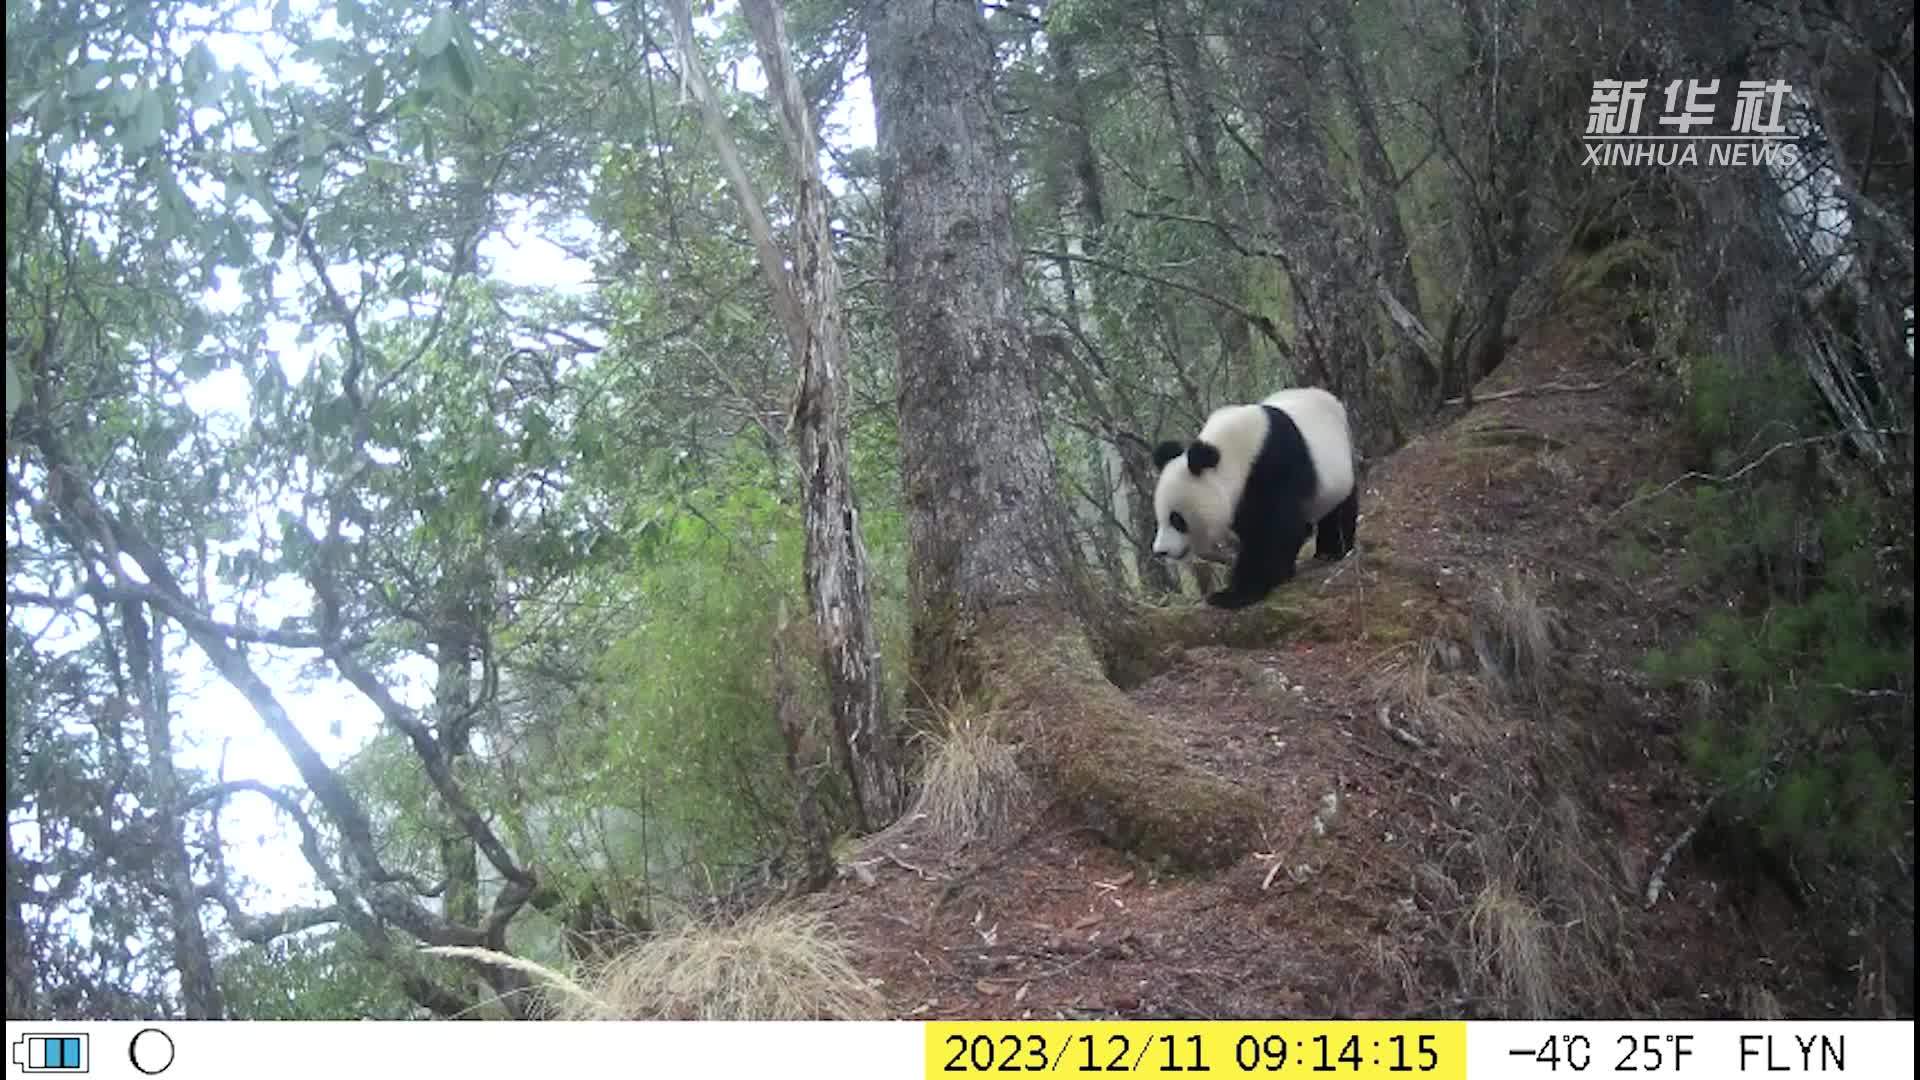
(1195, 509)
(1194, 513)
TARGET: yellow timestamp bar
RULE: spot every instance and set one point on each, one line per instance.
(1350, 1050)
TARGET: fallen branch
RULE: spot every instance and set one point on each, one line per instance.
(1400, 734)
(1657, 883)
(1548, 388)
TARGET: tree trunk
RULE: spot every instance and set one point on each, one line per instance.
(1391, 253)
(1189, 90)
(1303, 213)
(453, 704)
(1083, 218)
(21, 997)
(867, 744)
(998, 600)
(199, 992)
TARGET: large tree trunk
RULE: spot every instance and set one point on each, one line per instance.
(998, 605)
(867, 744)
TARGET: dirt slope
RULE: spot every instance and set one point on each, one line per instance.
(1467, 783)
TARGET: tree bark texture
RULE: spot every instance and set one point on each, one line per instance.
(1391, 253)
(867, 745)
(199, 991)
(986, 520)
(1330, 307)
(998, 607)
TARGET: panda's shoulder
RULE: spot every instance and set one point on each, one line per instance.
(1305, 401)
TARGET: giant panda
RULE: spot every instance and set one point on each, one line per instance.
(1272, 473)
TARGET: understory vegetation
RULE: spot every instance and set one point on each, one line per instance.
(427, 595)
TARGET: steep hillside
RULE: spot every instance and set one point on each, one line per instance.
(1468, 784)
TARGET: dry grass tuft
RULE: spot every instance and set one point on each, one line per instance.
(972, 787)
(1414, 683)
(1512, 951)
(559, 988)
(769, 965)
(1513, 635)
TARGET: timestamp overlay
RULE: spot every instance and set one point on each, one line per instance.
(1377, 1050)
(1358, 1049)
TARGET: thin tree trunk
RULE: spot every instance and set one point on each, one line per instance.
(1083, 219)
(1392, 255)
(1329, 306)
(20, 995)
(199, 991)
(998, 603)
(1188, 86)
(453, 706)
(867, 744)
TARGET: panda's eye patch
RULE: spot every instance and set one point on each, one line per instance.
(1178, 520)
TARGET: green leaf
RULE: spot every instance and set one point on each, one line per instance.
(261, 124)
(457, 69)
(209, 91)
(374, 92)
(144, 130)
(312, 173)
(435, 38)
(320, 51)
(196, 365)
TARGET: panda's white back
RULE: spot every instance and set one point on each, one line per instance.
(1322, 421)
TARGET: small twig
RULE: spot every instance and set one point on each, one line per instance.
(1751, 465)
(903, 864)
(1352, 557)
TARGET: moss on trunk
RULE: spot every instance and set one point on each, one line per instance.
(1131, 779)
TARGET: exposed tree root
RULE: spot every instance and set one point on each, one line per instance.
(1099, 752)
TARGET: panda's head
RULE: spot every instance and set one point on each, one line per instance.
(1192, 505)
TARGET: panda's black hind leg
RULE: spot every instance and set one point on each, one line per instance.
(1335, 537)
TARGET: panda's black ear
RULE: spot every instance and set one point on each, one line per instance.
(1166, 452)
(1202, 456)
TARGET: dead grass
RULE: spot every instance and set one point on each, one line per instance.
(1513, 953)
(1414, 682)
(972, 787)
(1513, 635)
(769, 965)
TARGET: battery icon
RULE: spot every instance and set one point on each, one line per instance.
(51, 1053)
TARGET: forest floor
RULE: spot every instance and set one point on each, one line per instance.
(1449, 836)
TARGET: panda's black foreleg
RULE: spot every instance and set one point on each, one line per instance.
(1269, 557)
(1335, 537)
(1253, 579)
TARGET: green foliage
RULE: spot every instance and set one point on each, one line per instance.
(318, 976)
(1805, 656)
(691, 750)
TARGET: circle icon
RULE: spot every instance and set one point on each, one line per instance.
(151, 1051)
